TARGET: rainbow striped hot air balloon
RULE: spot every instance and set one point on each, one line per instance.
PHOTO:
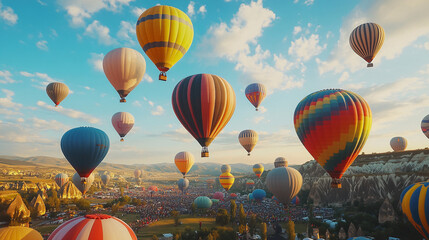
(366, 40)
(333, 125)
(226, 179)
(93, 227)
(414, 200)
(255, 93)
(398, 144)
(258, 169)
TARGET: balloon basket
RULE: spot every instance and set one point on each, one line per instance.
(370, 65)
(163, 76)
(256, 109)
(204, 154)
(122, 139)
(123, 100)
(336, 183)
(248, 154)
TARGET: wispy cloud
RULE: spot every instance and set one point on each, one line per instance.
(127, 32)
(96, 61)
(43, 45)
(69, 112)
(136, 11)
(6, 77)
(159, 110)
(8, 15)
(100, 32)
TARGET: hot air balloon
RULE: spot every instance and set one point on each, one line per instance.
(259, 194)
(122, 122)
(250, 182)
(398, 144)
(19, 233)
(83, 186)
(413, 202)
(333, 125)
(248, 139)
(85, 148)
(203, 202)
(153, 189)
(218, 195)
(184, 162)
(366, 40)
(280, 162)
(233, 195)
(93, 227)
(258, 169)
(226, 180)
(250, 197)
(203, 103)
(284, 182)
(61, 179)
(183, 184)
(105, 179)
(137, 173)
(125, 68)
(425, 126)
(295, 200)
(57, 92)
(165, 33)
(255, 92)
(225, 168)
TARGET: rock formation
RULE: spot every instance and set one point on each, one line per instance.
(69, 190)
(342, 234)
(352, 231)
(38, 205)
(386, 212)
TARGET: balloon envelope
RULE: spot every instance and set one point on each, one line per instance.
(226, 180)
(295, 200)
(203, 103)
(284, 182)
(258, 169)
(183, 184)
(250, 182)
(225, 168)
(57, 92)
(19, 233)
(248, 139)
(85, 148)
(124, 68)
(333, 126)
(425, 126)
(123, 122)
(137, 173)
(280, 162)
(83, 186)
(398, 144)
(165, 34)
(259, 194)
(218, 195)
(203, 202)
(413, 200)
(255, 93)
(184, 162)
(61, 179)
(366, 40)
(105, 179)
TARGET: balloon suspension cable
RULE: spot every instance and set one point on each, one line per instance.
(336, 183)
(163, 76)
(205, 152)
(123, 100)
(122, 139)
(370, 65)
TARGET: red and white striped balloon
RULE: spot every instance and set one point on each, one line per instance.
(94, 227)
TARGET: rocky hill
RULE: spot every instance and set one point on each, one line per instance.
(372, 177)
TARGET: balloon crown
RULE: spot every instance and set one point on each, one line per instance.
(98, 216)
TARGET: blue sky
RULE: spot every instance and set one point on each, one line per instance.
(293, 47)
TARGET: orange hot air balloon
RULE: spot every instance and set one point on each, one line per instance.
(184, 162)
(226, 179)
(366, 40)
(203, 103)
(57, 92)
(165, 34)
(123, 122)
(124, 67)
(333, 126)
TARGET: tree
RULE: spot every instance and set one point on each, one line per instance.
(193, 208)
(175, 215)
(264, 231)
(210, 237)
(233, 211)
(52, 202)
(83, 204)
(290, 229)
(252, 224)
(115, 208)
(241, 215)
(122, 191)
(222, 217)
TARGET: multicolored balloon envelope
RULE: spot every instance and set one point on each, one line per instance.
(123, 122)
(255, 93)
(204, 104)
(333, 125)
(226, 179)
(125, 68)
(184, 162)
(248, 139)
(398, 144)
(85, 148)
(425, 126)
(165, 34)
(258, 169)
(93, 227)
(57, 92)
(61, 179)
(366, 40)
(414, 203)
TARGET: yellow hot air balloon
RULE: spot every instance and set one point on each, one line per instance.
(165, 33)
(258, 169)
(226, 179)
(124, 67)
(248, 139)
(57, 92)
(19, 233)
(184, 162)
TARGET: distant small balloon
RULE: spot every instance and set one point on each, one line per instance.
(280, 162)
(255, 93)
(258, 169)
(225, 168)
(248, 139)
(83, 186)
(398, 144)
(123, 122)
(57, 92)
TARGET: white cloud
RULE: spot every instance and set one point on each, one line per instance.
(308, 2)
(191, 8)
(137, 103)
(258, 119)
(42, 124)
(79, 10)
(96, 61)
(87, 88)
(21, 133)
(126, 31)
(202, 9)
(26, 74)
(151, 103)
(43, 45)
(6, 77)
(98, 31)
(6, 102)
(20, 120)
(296, 30)
(344, 77)
(147, 78)
(262, 109)
(403, 24)
(137, 11)
(158, 111)
(305, 48)
(426, 45)
(69, 112)
(54, 33)
(8, 15)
